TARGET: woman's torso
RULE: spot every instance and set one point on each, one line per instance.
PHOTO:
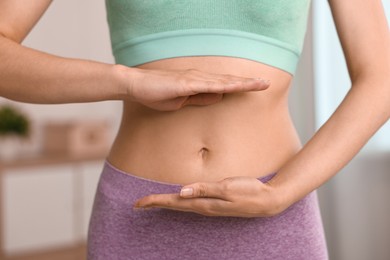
(245, 134)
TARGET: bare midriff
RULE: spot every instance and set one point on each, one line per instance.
(245, 134)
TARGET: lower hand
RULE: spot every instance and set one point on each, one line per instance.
(234, 196)
(173, 89)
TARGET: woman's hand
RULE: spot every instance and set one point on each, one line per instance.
(173, 89)
(234, 196)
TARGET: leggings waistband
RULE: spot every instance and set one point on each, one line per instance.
(127, 187)
(108, 166)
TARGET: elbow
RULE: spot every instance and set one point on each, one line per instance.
(10, 36)
(384, 93)
(375, 85)
(373, 77)
(372, 72)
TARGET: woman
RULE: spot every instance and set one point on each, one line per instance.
(216, 161)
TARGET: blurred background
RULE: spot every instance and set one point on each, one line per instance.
(47, 187)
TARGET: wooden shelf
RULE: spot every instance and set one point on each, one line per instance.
(76, 252)
(46, 159)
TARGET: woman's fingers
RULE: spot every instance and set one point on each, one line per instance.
(204, 206)
(224, 83)
(206, 190)
(168, 90)
(225, 86)
(234, 196)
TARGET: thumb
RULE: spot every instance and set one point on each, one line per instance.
(202, 190)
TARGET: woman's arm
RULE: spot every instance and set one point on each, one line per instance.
(365, 39)
(32, 76)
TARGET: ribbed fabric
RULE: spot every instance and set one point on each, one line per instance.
(267, 31)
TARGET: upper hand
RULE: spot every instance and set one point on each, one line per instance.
(234, 196)
(173, 89)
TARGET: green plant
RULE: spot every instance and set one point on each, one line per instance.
(13, 122)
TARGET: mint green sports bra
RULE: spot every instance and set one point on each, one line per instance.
(266, 31)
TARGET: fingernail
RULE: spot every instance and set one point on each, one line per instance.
(185, 192)
(137, 205)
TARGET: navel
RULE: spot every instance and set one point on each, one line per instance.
(203, 152)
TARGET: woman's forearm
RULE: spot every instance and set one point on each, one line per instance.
(28, 75)
(32, 76)
(364, 110)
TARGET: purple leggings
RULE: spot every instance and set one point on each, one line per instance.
(117, 231)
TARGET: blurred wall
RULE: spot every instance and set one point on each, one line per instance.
(75, 29)
(353, 205)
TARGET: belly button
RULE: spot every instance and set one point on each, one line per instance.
(203, 152)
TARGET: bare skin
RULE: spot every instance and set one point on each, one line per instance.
(213, 132)
(245, 134)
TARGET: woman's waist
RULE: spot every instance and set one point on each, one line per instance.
(201, 164)
(200, 144)
(247, 133)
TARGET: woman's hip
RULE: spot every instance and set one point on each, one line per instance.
(117, 231)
